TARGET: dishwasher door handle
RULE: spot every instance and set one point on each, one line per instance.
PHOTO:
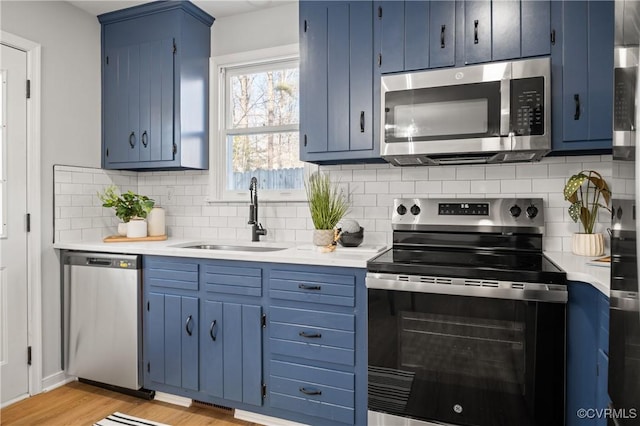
(186, 325)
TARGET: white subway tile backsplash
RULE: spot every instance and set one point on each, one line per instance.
(372, 189)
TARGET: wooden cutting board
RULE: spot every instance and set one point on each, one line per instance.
(121, 239)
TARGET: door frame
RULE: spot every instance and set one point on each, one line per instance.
(34, 206)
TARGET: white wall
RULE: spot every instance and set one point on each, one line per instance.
(276, 26)
(70, 119)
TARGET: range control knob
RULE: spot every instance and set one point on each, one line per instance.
(401, 209)
(515, 210)
(532, 211)
(415, 210)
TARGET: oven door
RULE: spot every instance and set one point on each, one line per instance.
(464, 359)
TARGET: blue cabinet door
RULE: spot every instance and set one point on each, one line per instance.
(587, 76)
(442, 33)
(172, 324)
(477, 31)
(506, 29)
(416, 35)
(231, 362)
(156, 101)
(115, 106)
(390, 35)
(336, 80)
(535, 27)
(313, 77)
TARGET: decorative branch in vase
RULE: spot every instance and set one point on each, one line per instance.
(587, 192)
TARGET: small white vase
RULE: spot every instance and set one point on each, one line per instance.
(587, 244)
(137, 228)
(322, 237)
(122, 229)
(156, 222)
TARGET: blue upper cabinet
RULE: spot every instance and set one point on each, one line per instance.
(477, 31)
(583, 59)
(442, 31)
(336, 76)
(153, 56)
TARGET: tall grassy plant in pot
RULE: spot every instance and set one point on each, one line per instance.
(327, 205)
(587, 192)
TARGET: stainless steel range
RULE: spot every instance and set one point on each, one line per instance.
(466, 316)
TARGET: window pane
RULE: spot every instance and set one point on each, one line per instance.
(268, 98)
(270, 157)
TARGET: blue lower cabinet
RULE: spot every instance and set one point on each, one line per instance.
(172, 330)
(231, 361)
(587, 354)
(286, 341)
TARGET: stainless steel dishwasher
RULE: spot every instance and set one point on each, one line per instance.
(103, 326)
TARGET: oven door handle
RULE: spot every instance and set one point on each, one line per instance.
(533, 292)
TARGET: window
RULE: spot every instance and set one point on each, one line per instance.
(3, 154)
(258, 127)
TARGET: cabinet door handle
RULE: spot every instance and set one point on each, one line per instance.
(576, 98)
(132, 139)
(145, 139)
(309, 287)
(306, 25)
(213, 326)
(361, 121)
(442, 30)
(186, 325)
(310, 335)
(310, 391)
(475, 32)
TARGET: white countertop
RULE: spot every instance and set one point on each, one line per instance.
(582, 268)
(349, 257)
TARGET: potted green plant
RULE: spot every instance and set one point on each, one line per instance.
(327, 205)
(587, 192)
(129, 207)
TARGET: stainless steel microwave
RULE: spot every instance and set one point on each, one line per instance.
(491, 113)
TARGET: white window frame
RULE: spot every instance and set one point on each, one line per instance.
(257, 59)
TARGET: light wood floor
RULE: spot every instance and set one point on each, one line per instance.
(81, 404)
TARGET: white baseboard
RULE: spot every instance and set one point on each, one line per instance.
(263, 420)
(14, 400)
(173, 399)
(56, 380)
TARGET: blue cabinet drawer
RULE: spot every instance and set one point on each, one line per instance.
(328, 289)
(336, 341)
(178, 274)
(232, 280)
(311, 390)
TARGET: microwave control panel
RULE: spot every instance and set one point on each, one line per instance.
(527, 106)
(624, 97)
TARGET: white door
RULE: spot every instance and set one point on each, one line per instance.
(14, 374)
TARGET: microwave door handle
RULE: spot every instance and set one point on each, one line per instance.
(505, 107)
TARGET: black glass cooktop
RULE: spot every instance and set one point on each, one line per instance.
(477, 264)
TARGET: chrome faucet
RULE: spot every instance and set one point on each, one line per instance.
(256, 228)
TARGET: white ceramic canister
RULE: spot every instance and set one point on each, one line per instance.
(137, 228)
(156, 221)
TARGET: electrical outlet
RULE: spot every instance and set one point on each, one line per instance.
(170, 191)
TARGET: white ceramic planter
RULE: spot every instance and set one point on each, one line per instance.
(587, 244)
(156, 222)
(322, 237)
(137, 228)
(122, 229)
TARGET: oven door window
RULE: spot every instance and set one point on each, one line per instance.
(452, 112)
(466, 360)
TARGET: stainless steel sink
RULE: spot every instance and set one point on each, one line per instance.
(233, 248)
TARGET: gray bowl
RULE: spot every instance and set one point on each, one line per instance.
(351, 239)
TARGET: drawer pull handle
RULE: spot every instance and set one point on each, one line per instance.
(309, 287)
(213, 326)
(186, 325)
(310, 392)
(310, 335)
